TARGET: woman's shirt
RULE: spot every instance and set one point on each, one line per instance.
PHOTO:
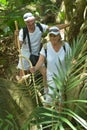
(53, 58)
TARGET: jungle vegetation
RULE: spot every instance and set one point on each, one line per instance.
(21, 106)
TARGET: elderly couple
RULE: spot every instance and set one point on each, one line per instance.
(54, 47)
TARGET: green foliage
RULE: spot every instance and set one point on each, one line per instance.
(8, 123)
(72, 84)
(11, 11)
(14, 10)
(3, 2)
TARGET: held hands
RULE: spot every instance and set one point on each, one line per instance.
(32, 69)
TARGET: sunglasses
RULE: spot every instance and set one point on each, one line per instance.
(25, 17)
(53, 30)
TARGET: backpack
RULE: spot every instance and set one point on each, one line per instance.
(45, 49)
(25, 30)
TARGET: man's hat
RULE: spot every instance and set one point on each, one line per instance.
(28, 16)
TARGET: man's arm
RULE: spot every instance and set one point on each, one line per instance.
(61, 26)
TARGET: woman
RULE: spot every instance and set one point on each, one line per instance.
(55, 53)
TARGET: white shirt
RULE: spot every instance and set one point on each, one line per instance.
(53, 58)
(35, 39)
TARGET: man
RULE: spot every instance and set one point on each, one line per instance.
(35, 35)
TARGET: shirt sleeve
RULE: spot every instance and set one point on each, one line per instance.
(44, 26)
(21, 35)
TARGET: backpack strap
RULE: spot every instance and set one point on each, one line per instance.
(64, 46)
(26, 33)
(45, 49)
(39, 26)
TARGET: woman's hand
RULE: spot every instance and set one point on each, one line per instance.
(32, 69)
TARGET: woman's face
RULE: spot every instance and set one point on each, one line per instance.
(54, 38)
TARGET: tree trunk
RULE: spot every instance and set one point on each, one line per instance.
(76, 17)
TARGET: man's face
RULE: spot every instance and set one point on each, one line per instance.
(30, 22)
